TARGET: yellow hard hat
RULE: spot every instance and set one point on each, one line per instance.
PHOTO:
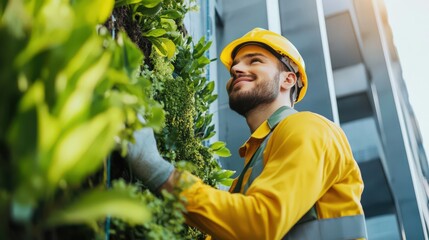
(276, 42)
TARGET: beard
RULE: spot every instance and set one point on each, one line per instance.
(265, 93)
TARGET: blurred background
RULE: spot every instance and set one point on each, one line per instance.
(366, 62)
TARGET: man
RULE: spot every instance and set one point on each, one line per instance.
(300, 180)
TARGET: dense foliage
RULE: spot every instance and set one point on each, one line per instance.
(176, 67)
(73, 79)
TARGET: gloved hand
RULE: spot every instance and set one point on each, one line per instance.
(145, 160)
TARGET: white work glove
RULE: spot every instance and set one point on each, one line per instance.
(145, 160)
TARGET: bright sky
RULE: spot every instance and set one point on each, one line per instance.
(409, 20)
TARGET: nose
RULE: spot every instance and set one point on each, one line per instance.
(237, 68)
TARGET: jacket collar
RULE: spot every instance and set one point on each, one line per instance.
(267, 126)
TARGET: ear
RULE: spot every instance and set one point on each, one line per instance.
(287, 80)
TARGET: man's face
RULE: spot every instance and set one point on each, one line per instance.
(255, 79)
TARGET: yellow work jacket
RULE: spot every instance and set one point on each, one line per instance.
(307, 162)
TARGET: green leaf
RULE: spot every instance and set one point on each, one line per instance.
(202, 61)
(170, 46)
(209, 87)
(164, 46)
(217, 145)
(87, 51)
(223, 173)
(78, 102)
(15, 18)
(211, 134)
(49, 129)
(150, 3)
(23, 133)
(120, 3)
(223, 152)
(224, 177)
(168, 24)
(226, 182)
(52, 26)
(81, 149)
(131, 55)
(146, 3)
(144, 11)
(94, 11)
(154, 33)
(98, 204)
(171, 13)
(200, 122)
(159, 48)
(104, 9)
(156, 119)
(201, 48)
(209, 131)
(212, 98)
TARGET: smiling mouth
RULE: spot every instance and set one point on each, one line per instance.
(240, 78)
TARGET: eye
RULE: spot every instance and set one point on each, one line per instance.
(255, 60)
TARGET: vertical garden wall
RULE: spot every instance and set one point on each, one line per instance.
(74, 76)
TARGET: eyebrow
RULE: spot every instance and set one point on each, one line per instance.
(249, 55)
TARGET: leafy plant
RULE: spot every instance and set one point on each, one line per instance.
(73, 80)
(175, 65)
(67, 91)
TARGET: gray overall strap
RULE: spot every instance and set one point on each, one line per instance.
(257, 161)
(342, 228)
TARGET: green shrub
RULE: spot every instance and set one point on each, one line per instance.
(73, 78)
